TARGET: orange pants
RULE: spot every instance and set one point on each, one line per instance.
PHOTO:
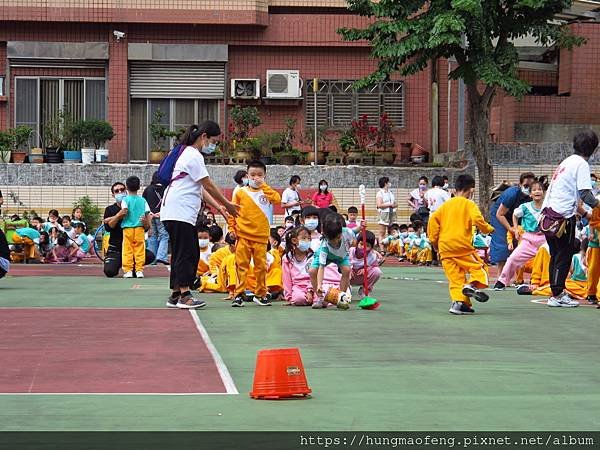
(134, 249)
(457, 268)
(246, 251)
(593, 261)
(28, 246)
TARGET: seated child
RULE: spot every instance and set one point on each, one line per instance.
(576, 285)
(310, 219)
(62, 251)
(77, 216)
(45, 246)
(82, 241)
(391, 243)
(454, 245)
(67, 227)
(420, 248)
(52, 221)
(593, 263)
(205, 250)
(274, 275)
(352, 216)
(335, 246)
(215, 280)
(37, 223)
(408, 237)
(4, 255)
(29, 238)
(215, 233)
(481, 242)
(539, 284)
(374, 260)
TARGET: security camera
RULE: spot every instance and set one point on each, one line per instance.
(119, 35)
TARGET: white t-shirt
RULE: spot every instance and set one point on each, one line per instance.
(571, 176)
(386, 198)
(436, 197)
(182, 198)
(290, 195)
(415, 194)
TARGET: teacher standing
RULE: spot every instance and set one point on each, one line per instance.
(180, 207)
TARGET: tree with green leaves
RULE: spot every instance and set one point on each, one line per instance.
(408, 35)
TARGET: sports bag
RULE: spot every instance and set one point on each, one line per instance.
(552, 224)
(167, 165)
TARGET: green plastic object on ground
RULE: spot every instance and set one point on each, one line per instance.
(368, 303)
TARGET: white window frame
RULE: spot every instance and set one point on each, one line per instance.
(61, 96)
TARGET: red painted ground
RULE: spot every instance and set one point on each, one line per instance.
(104, 351)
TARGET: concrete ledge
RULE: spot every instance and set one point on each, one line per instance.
(277, 176)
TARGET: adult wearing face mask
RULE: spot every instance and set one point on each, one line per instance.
(181, 205)
(501, 215)
(322, 198)
(386, 207)
(290, 199)
(112, 225)
(595, 185)
(416, 198)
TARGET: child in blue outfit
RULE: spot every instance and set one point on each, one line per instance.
(335, 248)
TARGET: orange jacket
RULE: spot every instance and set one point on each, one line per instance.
(450, 227)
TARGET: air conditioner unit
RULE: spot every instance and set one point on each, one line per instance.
(245, 88)
(284, 84)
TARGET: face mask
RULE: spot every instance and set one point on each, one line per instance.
(303, 246)
(525, 190)
(289, 225)
(404, 235)
(422, 187)
(120, 196)
(255, 184)
(395, 235)
(445, 186)
(594, 183)
(360, 252)
(245, 181)
(298, 187)
(209, 149)
(203, 243)
(323, 187)
(311, 224)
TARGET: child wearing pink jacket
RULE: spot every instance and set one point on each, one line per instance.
(374, 260)
(295, 265)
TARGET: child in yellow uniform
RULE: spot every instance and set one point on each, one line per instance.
(451, 233)
(274, 272)
(216, 279)
(576, 284)
(252, 231)
(205, 250)
(593, 263)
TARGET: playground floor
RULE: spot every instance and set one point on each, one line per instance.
(89, 353)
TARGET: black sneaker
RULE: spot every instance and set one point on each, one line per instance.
(238, 302)
(262, 301)
(460, 308)
(478, 295)
(196, 284)
(524, 289)
(592, 299)
(172, 301)
(499, 286)
(190, 302)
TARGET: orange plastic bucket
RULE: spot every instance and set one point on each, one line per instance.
(279, 373)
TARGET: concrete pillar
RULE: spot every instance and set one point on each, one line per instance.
(118, 97)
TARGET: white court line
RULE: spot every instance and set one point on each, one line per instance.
(221, 367)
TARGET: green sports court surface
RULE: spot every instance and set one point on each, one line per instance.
(514, 365)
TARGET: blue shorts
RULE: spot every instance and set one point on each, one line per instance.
(340, 262)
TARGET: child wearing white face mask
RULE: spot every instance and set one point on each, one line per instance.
(205, 250)
(310, 219)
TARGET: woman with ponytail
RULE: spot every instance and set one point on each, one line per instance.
(180, 207)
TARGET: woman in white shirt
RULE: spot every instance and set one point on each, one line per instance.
(180, 207)
(416, 198)
(386, 207)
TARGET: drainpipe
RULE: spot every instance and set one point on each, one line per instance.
(435, 111)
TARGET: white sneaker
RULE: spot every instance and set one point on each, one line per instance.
(563, 300)
(128, 274)
(139, 274)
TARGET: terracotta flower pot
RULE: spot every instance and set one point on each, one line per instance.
(19, 157)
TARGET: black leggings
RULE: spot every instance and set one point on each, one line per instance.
(185, 253)
(561, 252)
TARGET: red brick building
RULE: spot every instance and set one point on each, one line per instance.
(123, 60)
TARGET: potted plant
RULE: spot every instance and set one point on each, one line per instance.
(21, 135)
(289, 157)
(268, 144)
(322, 141)
(52, 138)
(98, 132)
(6, 141)
(385, 139)
(243, 121)
(159, 134)
(73, 137)
(418, 154)
(36, 155)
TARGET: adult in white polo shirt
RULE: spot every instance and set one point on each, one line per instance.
(570, 183)
(180, 207)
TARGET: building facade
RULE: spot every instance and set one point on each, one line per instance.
(122, 60)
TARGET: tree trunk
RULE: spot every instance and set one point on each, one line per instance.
(480, 145)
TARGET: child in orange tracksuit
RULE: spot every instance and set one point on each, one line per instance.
(450, 230)
(252, 230)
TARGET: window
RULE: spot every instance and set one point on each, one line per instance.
(338, 103)
(38, 100)
(177, 114)
(1, 86)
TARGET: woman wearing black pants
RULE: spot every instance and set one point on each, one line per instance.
(180, 207)
(571, 183)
